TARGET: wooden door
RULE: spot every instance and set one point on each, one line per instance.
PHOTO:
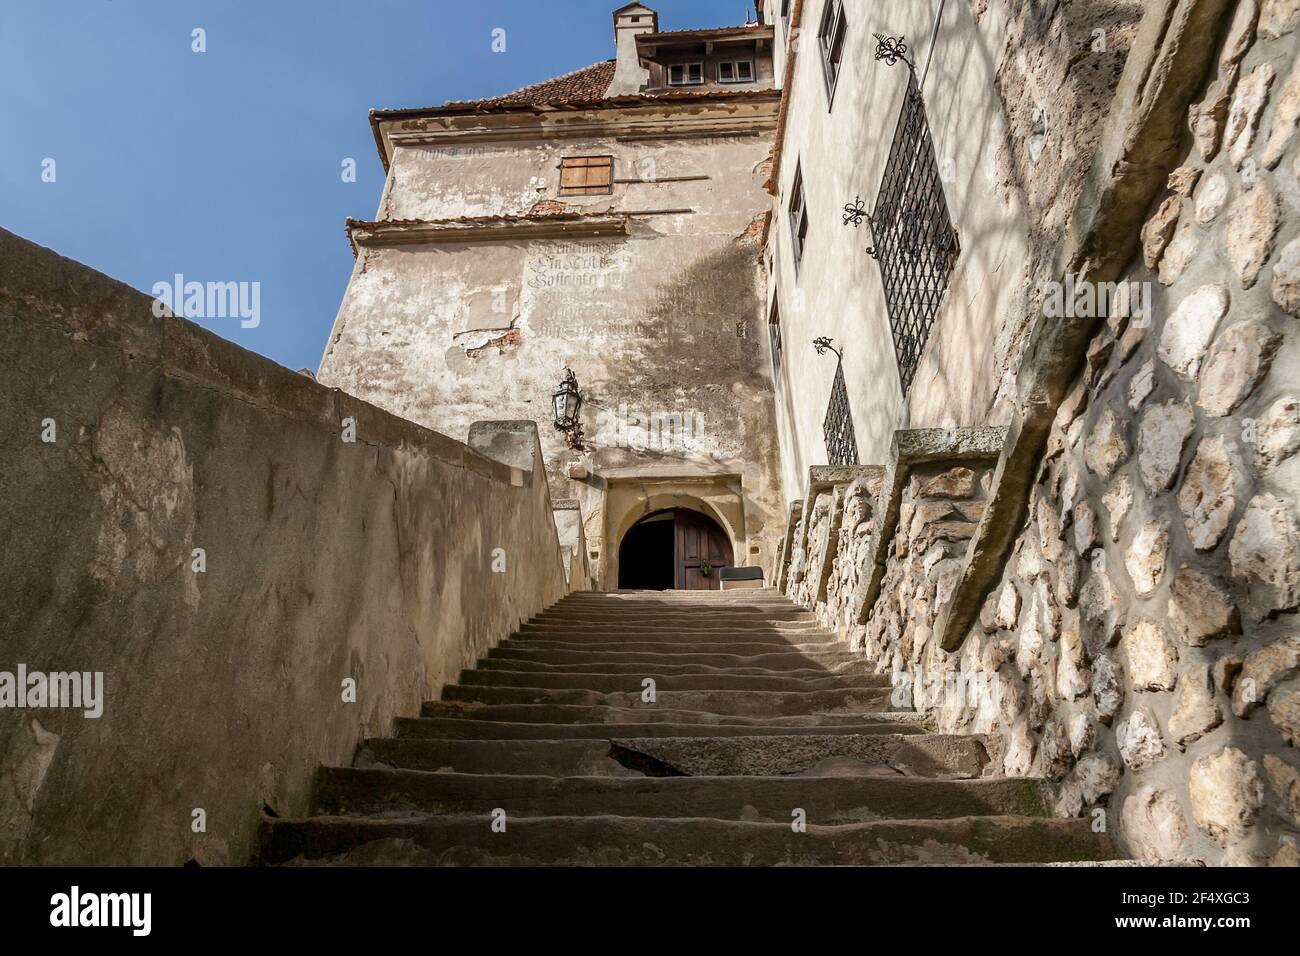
(702, 551)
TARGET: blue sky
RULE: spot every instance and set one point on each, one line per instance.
(225, 165)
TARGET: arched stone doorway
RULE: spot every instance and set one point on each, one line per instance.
(674, 549)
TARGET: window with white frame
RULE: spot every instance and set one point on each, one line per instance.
(830, 42)
(686, 74)
(736, 71)
(798, 217)
(774, 336)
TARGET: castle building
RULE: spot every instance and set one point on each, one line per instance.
(969, 326)
(608, 222)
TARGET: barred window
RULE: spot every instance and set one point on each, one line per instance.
(830, 40)
(913, 238)
(798, 217)
(837, 429)
(587, 175)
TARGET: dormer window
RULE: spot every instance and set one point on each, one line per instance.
(736, 71)
(686, 74)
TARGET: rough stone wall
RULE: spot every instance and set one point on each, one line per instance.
(936, 517)
(797, 561)
(852, 547)
(818, 540)
(1158, 580)
(1057, 68)
(1141, 648)
(325, 561)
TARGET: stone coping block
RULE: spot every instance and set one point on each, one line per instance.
(513, 443)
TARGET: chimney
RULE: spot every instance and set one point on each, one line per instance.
(631, 21)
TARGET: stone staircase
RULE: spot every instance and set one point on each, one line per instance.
(767, 742)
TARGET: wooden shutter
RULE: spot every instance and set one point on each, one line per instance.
(586, 175)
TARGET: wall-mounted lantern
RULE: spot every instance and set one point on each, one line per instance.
(567, 402)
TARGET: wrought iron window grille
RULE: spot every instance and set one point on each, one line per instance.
(837, 427)
(912, 236)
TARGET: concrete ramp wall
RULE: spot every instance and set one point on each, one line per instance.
(258, 591)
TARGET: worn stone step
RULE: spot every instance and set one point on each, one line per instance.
(607, 633)
(614, 637)
(768, 659)
(349, 791)
(810, 754)
(656, 714)
(748, 595)
(850, 667)
(921, 755)
(766, 620)
(706, 644)
(682, 607)
(680, 647)
(774, 610)
(484, 728)
(768, 611)
(632, 841)
(737, 703)
(663, 626)
(661, 599)
(614, 683)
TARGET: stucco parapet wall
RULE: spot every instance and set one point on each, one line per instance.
(909, 448)
(40, 287)
(1140, 145)
(397, 232)
(326, 559)
(644, 117)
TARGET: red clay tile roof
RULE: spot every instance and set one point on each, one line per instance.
(589, 83)
(756, 29)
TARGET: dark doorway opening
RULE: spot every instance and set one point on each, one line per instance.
(673, 549)
(645, 559)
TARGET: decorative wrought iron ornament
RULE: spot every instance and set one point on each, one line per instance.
(912, 236)
(855, 212)
(892, 50)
